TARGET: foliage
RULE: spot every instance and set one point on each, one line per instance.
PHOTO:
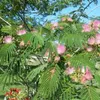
(56, 61)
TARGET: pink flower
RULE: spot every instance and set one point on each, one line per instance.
(91, 41)
(83, 80)
(21, 32)
(86, 28)
(7, 39)
(97, 39)
(69, 19)
(89, 49)
(54, 25)
(57, 58)
(63, 19)
(96, 24)
(97, 36)
(22, 44)
(69, 70)
(61, 49)
(47, 53)
(87, 76)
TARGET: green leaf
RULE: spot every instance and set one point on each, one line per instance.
(7, 50)
(89, 93)
(8, 29)
(67, 94)
(36, 71)
(49, 83)
(83, 59)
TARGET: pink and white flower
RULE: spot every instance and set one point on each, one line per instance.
(54, 25)
(87, 76)
(96, 24)
(91, 41)
(69, 19)
(89, 49)
(86, 28)
(7, 39)
(69, 70)
(57, 58)
(21, 32)
(97, 39)
(61, 49)
(22, 44)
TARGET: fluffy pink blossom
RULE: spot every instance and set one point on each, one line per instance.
(86, 28)
(97, 39)
(87, 76)
(91, 41)
(61, 49)
(57, 58)
(69, 19)
(54, 25)
(97, 36)
(89, 49)
(21, 32)
(7, 39)
(96, 24)
(63, 19)
(22, 44)
(69, 70)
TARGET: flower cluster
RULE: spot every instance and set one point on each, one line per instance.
(56, 25)
(81, 75)
(14, 94)
(95, 25)
(93, 41)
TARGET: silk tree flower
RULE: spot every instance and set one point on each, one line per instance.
(54, 25)
(89, 49)
(91, 41)
(22, 44)
(21, 32)
(63, 19)
(7, 39)
(69, 19)
(96, 24)
(61, 49)
(97, 38)
(57, 59)
(86, 28)
(69, 70)
(87, 76)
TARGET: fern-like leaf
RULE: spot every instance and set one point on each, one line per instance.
(36, 71)
(49, 83)
(89, 93)
(7, 50)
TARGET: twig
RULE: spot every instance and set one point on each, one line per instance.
(5, 21)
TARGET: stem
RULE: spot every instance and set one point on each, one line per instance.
(23, 19)
(26, 83)
(5, 21)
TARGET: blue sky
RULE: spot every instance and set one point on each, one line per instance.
(93, 10)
